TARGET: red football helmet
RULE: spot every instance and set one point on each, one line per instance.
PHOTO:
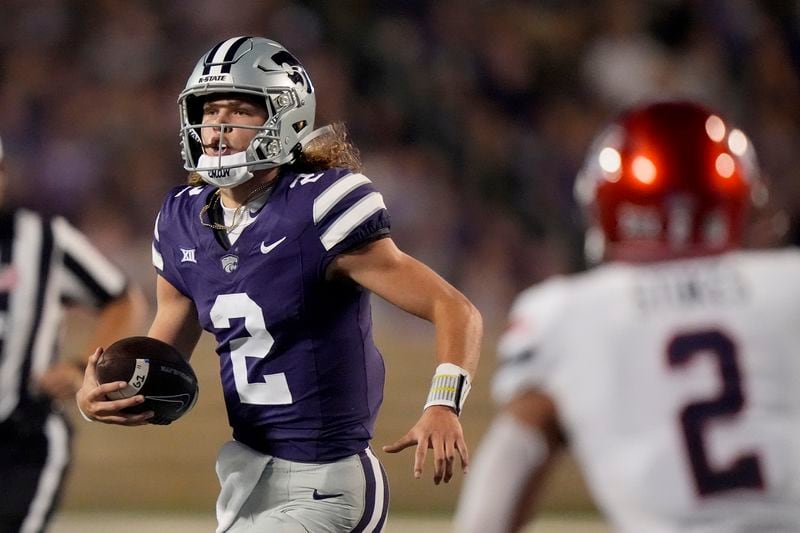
(667, 179)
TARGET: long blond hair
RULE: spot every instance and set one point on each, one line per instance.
(330, 150)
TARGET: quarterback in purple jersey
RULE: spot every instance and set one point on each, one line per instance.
(274, 247)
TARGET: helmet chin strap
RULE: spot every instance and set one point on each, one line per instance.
(225, 170)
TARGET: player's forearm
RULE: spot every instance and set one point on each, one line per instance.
(417, 289)
(176, 319)
(459, 330)
(511, 460)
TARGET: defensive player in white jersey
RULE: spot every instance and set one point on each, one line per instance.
(671, 369)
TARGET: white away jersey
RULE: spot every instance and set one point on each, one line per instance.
(677, 384)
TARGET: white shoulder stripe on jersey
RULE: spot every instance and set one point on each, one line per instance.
(335, 193)
(351, 218)
(158, 260)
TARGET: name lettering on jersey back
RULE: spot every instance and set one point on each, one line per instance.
(690, 289)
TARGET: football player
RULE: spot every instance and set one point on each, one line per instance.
(274, 247)
(670, 370)
(46, 265)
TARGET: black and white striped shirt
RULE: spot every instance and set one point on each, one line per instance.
(45, 265)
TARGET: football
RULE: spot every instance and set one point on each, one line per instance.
(153, 369)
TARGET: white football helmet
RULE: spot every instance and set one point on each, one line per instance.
(252, 66)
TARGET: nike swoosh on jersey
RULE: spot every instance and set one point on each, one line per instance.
(267, 248)
(318, 496)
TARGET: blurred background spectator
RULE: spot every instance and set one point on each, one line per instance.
(472, 115)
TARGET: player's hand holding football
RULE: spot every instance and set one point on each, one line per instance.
(439, 429)
(95, 405)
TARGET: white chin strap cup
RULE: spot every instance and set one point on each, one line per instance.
(232, 170)
(225, 170)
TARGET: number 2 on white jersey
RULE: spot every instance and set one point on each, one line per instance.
(274, 390)
(746, 471)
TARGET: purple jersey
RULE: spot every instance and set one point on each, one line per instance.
(301, 375)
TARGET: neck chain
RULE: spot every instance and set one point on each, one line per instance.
(255, 193)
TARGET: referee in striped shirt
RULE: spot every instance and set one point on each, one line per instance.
(45, 266)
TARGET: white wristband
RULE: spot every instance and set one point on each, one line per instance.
(450, 387)
(78, 405)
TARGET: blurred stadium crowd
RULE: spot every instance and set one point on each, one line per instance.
(473, 116)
